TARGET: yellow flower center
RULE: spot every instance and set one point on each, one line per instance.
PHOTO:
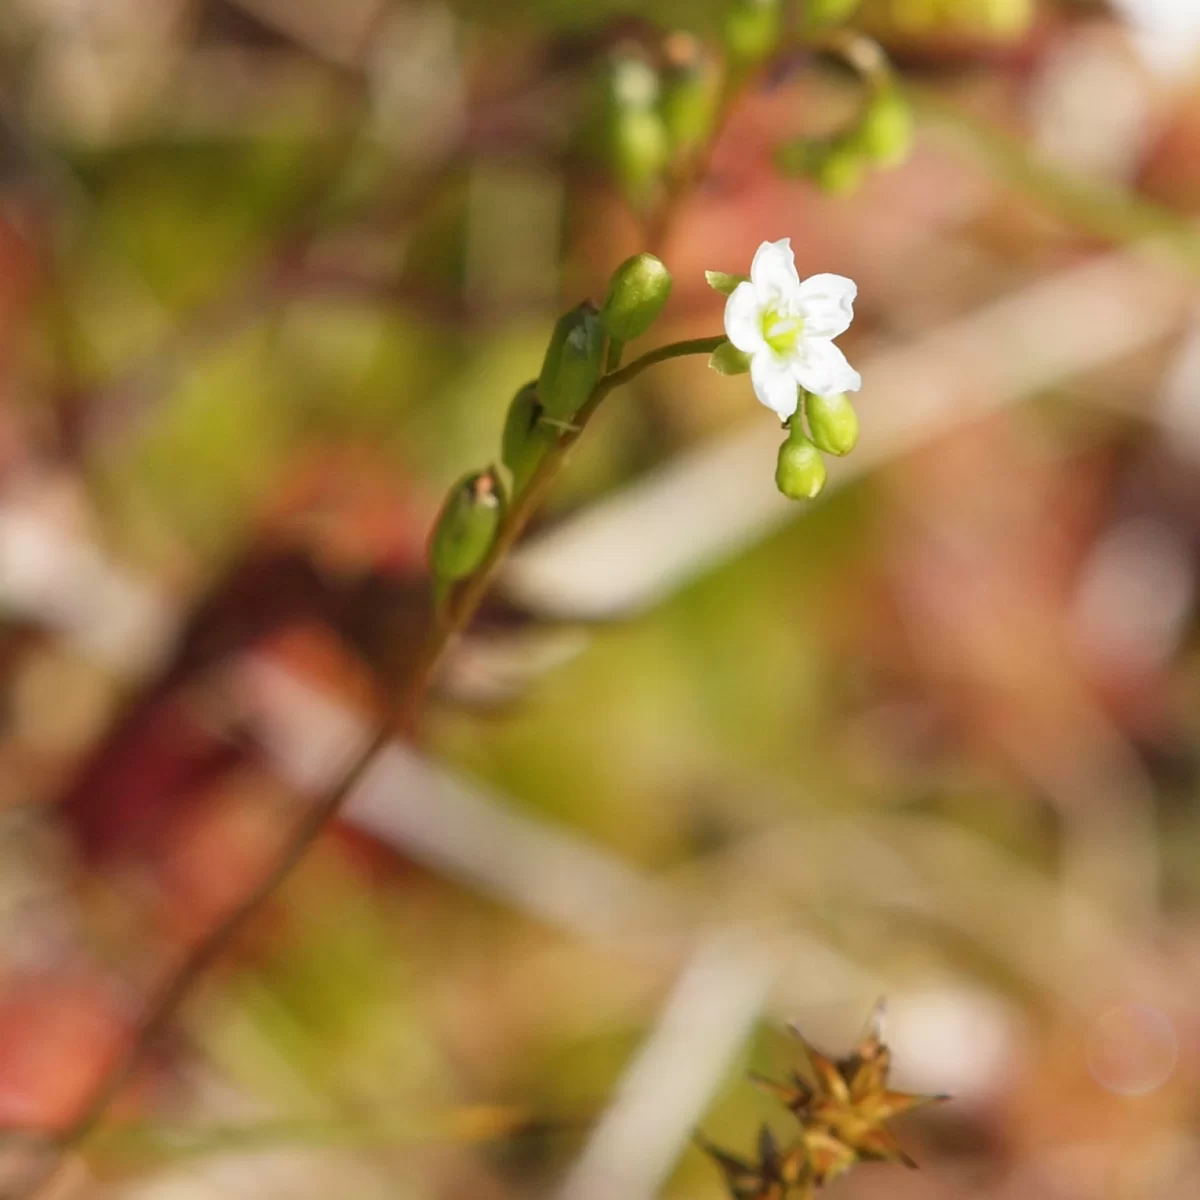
(781, 330)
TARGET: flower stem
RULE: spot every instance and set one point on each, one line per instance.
(650, 358)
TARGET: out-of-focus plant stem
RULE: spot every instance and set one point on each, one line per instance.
(1095, 207)
(145, 1143)
(681, 182)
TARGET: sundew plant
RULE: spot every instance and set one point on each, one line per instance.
(476, 719)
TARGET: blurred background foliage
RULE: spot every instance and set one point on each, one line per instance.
(270, 274)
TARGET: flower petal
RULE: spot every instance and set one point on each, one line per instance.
(823, 370)
(773, 270)
(827, 305)
(774, 383)
(743, 319)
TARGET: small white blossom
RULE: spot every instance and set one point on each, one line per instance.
(787, 328)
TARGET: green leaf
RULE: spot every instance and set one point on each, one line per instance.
(727, 359)
(725, 284)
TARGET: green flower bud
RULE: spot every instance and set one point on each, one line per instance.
(840, 168)
(832, 423)
(467, 525)
(727, 359)
(800, 472)
(574, 360)
(724, 283)
(637, 133)
(636, 294)
(820, 14)
(639, 155)
(885, 133)
(634, 82)
(525, 438)
(690, 92)
(752, 30)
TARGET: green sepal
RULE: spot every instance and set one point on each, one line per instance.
(719, 281)
(727, 359)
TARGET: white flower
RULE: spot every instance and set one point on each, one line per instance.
(787, 328)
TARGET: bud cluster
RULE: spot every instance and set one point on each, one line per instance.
(841, 1115)
(586, 342)
(661, 111)
(881, 137)
(660, 115)
(832, 428)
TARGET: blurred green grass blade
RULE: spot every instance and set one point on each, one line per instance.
(1091, 206)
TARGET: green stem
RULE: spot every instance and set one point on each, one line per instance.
(650, 358)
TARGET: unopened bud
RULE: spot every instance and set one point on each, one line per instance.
(573, 362)
(525, 438)
(832, 423)
(467, 526)
(637, 133)
(800, 471)
(637, 292)
(690, 90)
(752, 30)
(839, 168)
(820, 14)
(885, 133)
